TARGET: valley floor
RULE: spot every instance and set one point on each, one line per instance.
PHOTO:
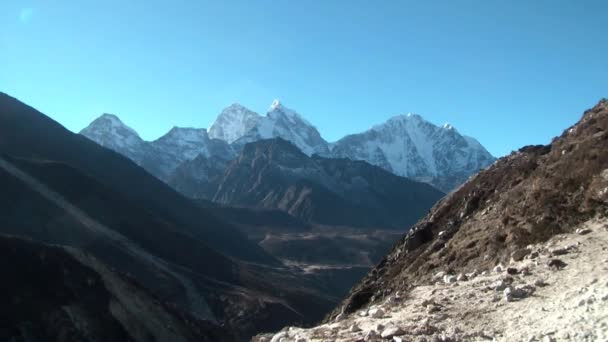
(557, 292)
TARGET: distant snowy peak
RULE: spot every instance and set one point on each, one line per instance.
(285, 123)
(233, 122)
(184, 143)
(161, 156)
(109, 131)
(410, 146)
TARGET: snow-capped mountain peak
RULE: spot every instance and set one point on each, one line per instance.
(187, 142)
(233, 122)
(285, 123)
(410, 146)
(109, 131)
(278, 111)
(275, 104)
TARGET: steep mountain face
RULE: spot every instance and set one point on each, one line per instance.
(409, 146)
(108, 131)
(282, 122)
(233, 123)
(162, 156)
(276, 174)
(525, 198)
(200, 177)
(181, 145)
(82, 300)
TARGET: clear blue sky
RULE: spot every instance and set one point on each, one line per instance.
(509, 73)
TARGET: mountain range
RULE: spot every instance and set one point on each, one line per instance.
(96, 246)
(406, 145)
(62, 189)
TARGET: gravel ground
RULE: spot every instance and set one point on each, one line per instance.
(557, 292)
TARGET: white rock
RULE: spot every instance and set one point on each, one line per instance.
(341, 317)
(278, 337)
(462, 277)
(581, 231)
(472, 274)
(354, 328)
(500, 285)
(449, 279)
(439, 275)
(376, 313)
(392, 331)
(498, 269)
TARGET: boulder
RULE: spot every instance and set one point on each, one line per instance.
(376, 313)
(392, 331)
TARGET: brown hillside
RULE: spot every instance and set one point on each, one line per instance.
(526, 197)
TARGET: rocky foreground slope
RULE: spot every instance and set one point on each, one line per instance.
(559, 291)
(507, 213)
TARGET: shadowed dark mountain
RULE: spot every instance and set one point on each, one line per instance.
(82, 300)
(274, 174)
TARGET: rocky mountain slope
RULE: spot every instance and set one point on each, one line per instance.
(410, 146)
(501, 216)
(82, 300)
(530, 300)
(275, 174)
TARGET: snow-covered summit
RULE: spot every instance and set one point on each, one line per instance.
(282, 122)
(275, 104)
(233, 122)
(109, 131)
(161, 156)
(184, 143)
(410, 146)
